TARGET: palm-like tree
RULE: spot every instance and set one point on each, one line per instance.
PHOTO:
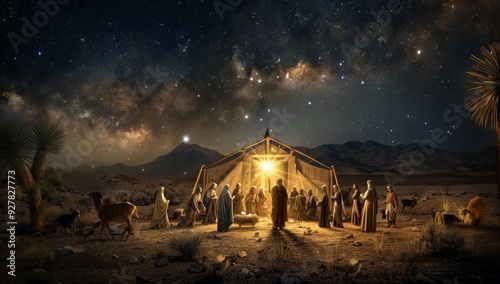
(484, 108)
(17, 149)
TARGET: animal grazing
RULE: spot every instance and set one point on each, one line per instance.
(445, 218)
(411, 203)
(473, 214)
(68, 221)
(116, 212)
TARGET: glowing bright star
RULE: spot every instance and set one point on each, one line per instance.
(309, 103)
(419, 52)
(246, 116)
(362, 82)
(39, 53)
(251, 78)
(259, 81)
(185, 139)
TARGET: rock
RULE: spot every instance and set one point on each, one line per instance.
(141, 279)
(74, 250)
(118, 230)
(85, 231)
(357, 244)
(244, 271)
(413, 220)
(259, 240)
(415, 229)
(143, 258)
(243, 254)
(256, 235)
(217, 237)
(115, 256)
(162, 262)
(133, 260)
(37, 235)
(350, 236)
(196, 267)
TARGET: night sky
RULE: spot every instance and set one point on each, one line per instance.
(130, 80)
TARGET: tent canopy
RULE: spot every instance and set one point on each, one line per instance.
(260, 164)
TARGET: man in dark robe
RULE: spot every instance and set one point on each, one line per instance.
(324, 204)
(311, 206)
(225, 212)
(279, 200)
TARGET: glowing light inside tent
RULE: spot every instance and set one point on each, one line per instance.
(267, 166)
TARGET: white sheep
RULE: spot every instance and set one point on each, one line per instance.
(473, 214)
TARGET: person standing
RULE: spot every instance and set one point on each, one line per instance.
(369, 214)
(337, 207)
(250, 201)
(356, 206)
(210, 202)
(160, 210)
(292, 212)
(193, 209)
(237, 199)
(279, 198)
(261, 201)
(225, 212)
(391, 201)
(300, 205)
(311, 206)
(324, 205)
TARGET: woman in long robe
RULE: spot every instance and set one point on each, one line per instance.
(300, 205)
(225, 212)
(356, 206)
(210, 202)
(324, 215)
(311, 206)
(292, 212)
(237, 199)
(369, 214)
(160, 211)
(250, 201)
(337, 208)
(193, 209)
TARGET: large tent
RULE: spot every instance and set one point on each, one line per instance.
(262, 163)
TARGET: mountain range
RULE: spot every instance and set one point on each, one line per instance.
(351, 158)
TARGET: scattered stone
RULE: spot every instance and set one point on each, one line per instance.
(196, 267)
(357, 244)
(243, 254)
(217, 237)
(162, 262)
(415, 229)
(85, 231)
(259, 240)
(413, 220)
(37, 235)
(74, 250)
(118, 230)
(143, 258)
(244, 271)
(256, 235)
(141, 279)
(350, 236)
(115, 256)
(133, 260)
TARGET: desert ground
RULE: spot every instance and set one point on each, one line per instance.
(416, 251)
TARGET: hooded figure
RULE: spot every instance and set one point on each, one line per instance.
(160, 211)
(250, 201)
(337, 207)
(194, 207)
(311, 207)
(237, 199)
(324, 204)
(279, 200)
(356, 207)
(225, 212)
(210, 202)
(369, 214)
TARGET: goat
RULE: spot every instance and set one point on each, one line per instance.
(410, 203)
(68, 220)
(473, 214)
(122, 211)
(382, 212)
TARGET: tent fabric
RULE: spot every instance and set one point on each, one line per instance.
(247, 166)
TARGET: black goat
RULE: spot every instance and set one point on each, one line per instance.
(68, 220)
(410, 203)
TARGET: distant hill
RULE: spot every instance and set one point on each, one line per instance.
(352, 157)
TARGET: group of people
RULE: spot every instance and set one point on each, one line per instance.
(221, 209)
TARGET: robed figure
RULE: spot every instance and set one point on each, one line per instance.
(279, 198)
(210, 202)
(356, 206)
(337, 207)
(369, 214)
(160, 210)
(391, 201)
(324, 206)
(311, 206)
(261, 200)
(225, 212)
(292, 212)
(300, 205)
(251, 200)
(194, 207)
(237, 199)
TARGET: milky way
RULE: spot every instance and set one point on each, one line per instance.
(129, 80)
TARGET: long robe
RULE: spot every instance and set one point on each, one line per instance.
(194, 206)
(250, 203)
(261, 202)
(391, 201)
(237, 201)
(324, 213)
(300, 207)
(369, 214)
(279, 211)
(337, 210)
(311, 208)
(225, 212)
(356, 208)
(210, 202)
(292, 212)
(160, 211)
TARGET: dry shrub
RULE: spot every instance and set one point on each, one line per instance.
(398, 255)
(122, 195)
(51, 215)
(380, 238)
(443, 239)
(344, 268)
(44, 257)
(141, 199)
(187, 244)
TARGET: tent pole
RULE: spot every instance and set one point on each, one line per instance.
(198, 178)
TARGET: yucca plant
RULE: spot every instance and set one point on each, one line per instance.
(484, 108)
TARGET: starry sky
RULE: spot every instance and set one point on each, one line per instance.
(130, 80)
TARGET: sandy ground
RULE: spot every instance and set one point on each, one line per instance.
(259, 255)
